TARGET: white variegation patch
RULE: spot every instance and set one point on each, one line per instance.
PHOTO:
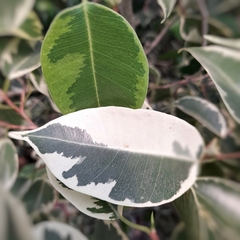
(81, 201)
(139, 131)
(205, 112)
(57, 230)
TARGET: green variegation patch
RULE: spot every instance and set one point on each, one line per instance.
(19, 57)
(91, 57)
(222, 64)
(90, 206)
(120, 155)
(205, 112)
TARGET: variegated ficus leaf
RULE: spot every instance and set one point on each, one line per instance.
(210, 210)
(167, 7)
(205, 112)
(226, 42)
(50, 230)
(19, 57)
(120, 155)
(222, 65)
(91, 206)
(17, 19)
(8, 163)
(90, 48)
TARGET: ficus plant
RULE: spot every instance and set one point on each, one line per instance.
(109, 146)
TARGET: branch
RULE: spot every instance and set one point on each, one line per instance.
(204, 13)
(223, 156)
(160, 36)
(181, 82)
(126, 11)
(16, 109)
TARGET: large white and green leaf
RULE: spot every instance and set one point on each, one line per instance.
(210, 209)
(19, 57)
(12, 15)
(49, 230)
(91, 206)
(226, 42)
(222, 65)
(120, 155)
(205, 112)
(91, 57)
(8, 163)
(167, 7)
(14, 223)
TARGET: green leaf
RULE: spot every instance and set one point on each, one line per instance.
(205, 112)
(222, 65)
(8, 163)
(88, 205)
(40, 193)
(226, 42)
(7, 114)
(108, 230)
(14, 223)
(210, 210)
(12, 14)
(167, 7)
(91, 57)
(120, 155)
(50, 230)
(19, 57)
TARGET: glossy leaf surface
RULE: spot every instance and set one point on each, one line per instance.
(90, 206)
(8, 163)
(91, 57)
(222, 64)
(205, 112)
(123, 156)
(210, 209)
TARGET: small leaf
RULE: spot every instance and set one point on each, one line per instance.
(167, 7)
(8, 163)
(226, 42)
(120, 155)
(91, 57)
(7, 114)
(88, 205)
(20, 57)
(205, 112)
(50, 230)
(14, 223)
(13, 14)
(40, 193)
(210, 209)
(108, 230)
(222, 64)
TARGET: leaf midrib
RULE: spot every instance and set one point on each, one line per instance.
(91, 50)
